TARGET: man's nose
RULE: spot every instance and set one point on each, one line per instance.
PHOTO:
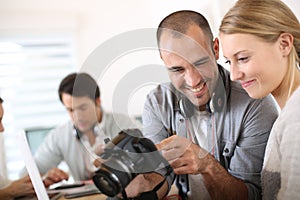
(192, 77)
(76, 114)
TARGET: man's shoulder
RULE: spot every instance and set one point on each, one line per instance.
(164, 92)
(64, 126)
(237, 90)
(120, 119)
(114, 115)
(240, 98)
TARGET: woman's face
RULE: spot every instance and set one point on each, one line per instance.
(259, 66)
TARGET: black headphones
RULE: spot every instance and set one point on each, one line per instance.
(76, 132)
(187, 108)
(215, 104)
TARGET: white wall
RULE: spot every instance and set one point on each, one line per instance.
(93, 22)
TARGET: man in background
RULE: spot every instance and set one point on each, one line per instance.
(77, 141)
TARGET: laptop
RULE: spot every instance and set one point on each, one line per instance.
(35, 136)
(32, 169)
(37, 182)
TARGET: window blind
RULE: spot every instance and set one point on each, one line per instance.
(31, 69)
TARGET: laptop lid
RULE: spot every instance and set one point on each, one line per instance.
(37, 182)
(32, 169)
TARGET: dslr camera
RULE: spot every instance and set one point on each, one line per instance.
(126, 156)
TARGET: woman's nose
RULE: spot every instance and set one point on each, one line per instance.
(235, 73)
(1, 127)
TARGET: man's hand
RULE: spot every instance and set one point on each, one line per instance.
(145, 183)
(99, 149)
(54, 175)
(184, 156)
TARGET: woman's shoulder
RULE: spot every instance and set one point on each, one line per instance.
(290, 114)
(293, 104)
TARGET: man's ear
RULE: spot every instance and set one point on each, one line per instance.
(216, 48)
(98, 101)
(286, 43)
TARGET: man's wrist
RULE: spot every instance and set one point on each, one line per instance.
(202, 153)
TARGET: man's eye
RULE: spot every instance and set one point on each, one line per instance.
(83, 108)
(176, 70)
(202, 61)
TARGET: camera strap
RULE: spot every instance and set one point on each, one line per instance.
(151, 194)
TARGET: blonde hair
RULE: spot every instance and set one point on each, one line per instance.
(266, 19)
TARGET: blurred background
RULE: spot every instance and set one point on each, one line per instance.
(41, 41)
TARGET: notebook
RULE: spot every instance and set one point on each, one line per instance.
(37, 182)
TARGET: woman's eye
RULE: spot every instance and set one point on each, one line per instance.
(227, 62)
(243, 59)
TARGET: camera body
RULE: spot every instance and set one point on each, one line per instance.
(126, 156)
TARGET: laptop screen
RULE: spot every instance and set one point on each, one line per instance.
(35, 136)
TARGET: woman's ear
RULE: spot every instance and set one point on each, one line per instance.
(286, 43)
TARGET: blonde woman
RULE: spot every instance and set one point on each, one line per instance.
(261, 42)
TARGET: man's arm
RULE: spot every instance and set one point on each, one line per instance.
(54, 175)
(245, 155)
(186, 157)
(47, 155)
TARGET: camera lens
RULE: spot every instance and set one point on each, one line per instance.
(107, 185)
(107, 182)
(111, 181)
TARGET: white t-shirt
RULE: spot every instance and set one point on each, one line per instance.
(199, 127)
(4, 182)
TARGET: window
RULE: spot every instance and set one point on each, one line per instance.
(31, 69)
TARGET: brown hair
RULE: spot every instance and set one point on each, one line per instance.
(79, 85)
(179, 22)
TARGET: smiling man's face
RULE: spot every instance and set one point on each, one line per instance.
(191, 64)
